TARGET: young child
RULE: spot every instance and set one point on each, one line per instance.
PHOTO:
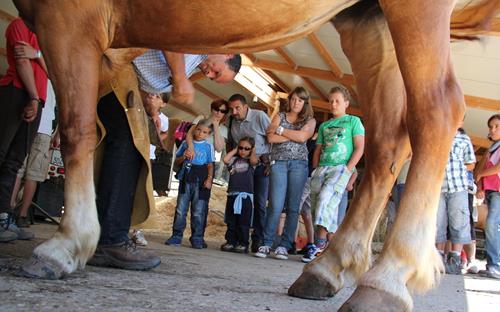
(194, 186)
(488, 177)
(239, 207)
(339, 147)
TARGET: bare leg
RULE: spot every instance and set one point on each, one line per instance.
(421, 35)
(28, 193)
(15, 190)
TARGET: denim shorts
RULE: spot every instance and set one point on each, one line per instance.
(453, 214)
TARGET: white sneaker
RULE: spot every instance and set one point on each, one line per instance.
(139, 238)
(281, 253)
(263, 252)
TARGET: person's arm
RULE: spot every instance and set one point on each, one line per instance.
(316, 155)
(182, 91)
(219, 141)
(488, 172)
(470, 167)
(359, 147)
(254, 160)
(271, 135)
(302, 135)
(208, 182)
(23, 49)
(231, 154)
(179, 160)
(352, 179)
(25, 72)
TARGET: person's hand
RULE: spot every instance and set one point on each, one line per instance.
(215, 122)
(55, 141)
(24, 50)
(480, 194)
(157, 121)
(208, 183)
(271, 129)
(350, 187)
(189, 154)
(183, 92)
(30, 110)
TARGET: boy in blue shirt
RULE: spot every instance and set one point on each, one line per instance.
(195, 183)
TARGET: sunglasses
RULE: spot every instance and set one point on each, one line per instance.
(221, 110)
(243, 148)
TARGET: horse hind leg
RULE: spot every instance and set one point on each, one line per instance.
(74, 70)
(409, 260)
(382, 97)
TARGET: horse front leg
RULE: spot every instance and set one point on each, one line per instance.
(409, 260)
(74, 70)
(382, 97)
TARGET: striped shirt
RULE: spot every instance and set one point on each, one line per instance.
(461, 154)
(154, 72)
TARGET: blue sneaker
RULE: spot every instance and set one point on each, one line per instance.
(173, 241)
(197, 245)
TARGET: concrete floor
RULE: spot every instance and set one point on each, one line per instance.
(201, 280)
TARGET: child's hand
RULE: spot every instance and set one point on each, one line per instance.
(480, 194)
(189, 154)
(208, 183)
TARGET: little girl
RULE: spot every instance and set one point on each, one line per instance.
(239, 205)
(488, 177)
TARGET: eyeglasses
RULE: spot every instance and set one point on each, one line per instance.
(243, 148)
(221, 110)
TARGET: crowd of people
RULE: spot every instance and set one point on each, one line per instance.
(287, 164)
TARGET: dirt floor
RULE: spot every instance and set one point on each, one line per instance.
(199, 280)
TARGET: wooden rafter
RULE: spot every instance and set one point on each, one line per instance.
(478, 141)
(278, 81)
(205, 91)
(482, 103)
(183, 108)
(197, 76)
(325, 55)
(6, 16)
(288, 59)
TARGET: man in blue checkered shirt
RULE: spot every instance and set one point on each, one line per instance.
(453, 209)
(160, 72)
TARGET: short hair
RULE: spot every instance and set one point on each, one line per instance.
(206, 123)
(234, 63)
(237, 97)
(218, 103)
(342, 90)
(250, 140)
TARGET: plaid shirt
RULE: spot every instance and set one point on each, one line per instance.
(154, 72)
(461, 154)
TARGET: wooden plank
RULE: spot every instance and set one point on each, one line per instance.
(183, 108)
(311, 85)
(197, 76)
(325, 55)
(482, 103)
(281, 52)
(478, 141)
(6, 16)
(205, 91)
(278, 81)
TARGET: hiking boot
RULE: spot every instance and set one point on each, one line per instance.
(241, 249)
(9, 225)
(227, 247)
(139, 238)
(311, 254)
(174, 241)
(491, 273)
(23, 222)
(452, 266)
(263, 252)
(281, 253)
(124, 256)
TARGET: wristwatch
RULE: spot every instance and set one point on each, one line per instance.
(38, 54)
(279, 130)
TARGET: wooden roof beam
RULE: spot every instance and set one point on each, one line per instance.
(278, 81)
(325, 55)
(311, 85)
(205, 91)
(482, 103)
(478, 141)
(281, 52)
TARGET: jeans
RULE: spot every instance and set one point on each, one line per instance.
(260, 195)
(119, 173)
(453, 214)
(287, 180)
(16, 137)
(190, 196)
(493, 230)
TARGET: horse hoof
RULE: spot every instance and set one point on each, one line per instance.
(366, 299)
(311, 286)
(37, 267)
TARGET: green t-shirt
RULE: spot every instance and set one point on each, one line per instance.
(336, 136)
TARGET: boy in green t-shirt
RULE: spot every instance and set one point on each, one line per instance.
(339, 147)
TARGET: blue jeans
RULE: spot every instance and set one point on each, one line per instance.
(260, 194)
(190, 196)
(287, 180)
(493, 230)
(120, 168)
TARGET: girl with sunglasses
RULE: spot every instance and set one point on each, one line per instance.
(239, 205)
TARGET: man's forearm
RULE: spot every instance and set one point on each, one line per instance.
(177, 65)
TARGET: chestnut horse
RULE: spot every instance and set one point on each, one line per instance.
(400, 56)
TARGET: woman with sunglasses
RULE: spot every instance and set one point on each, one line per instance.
(288, 133)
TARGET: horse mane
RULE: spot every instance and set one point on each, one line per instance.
(473, 19)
